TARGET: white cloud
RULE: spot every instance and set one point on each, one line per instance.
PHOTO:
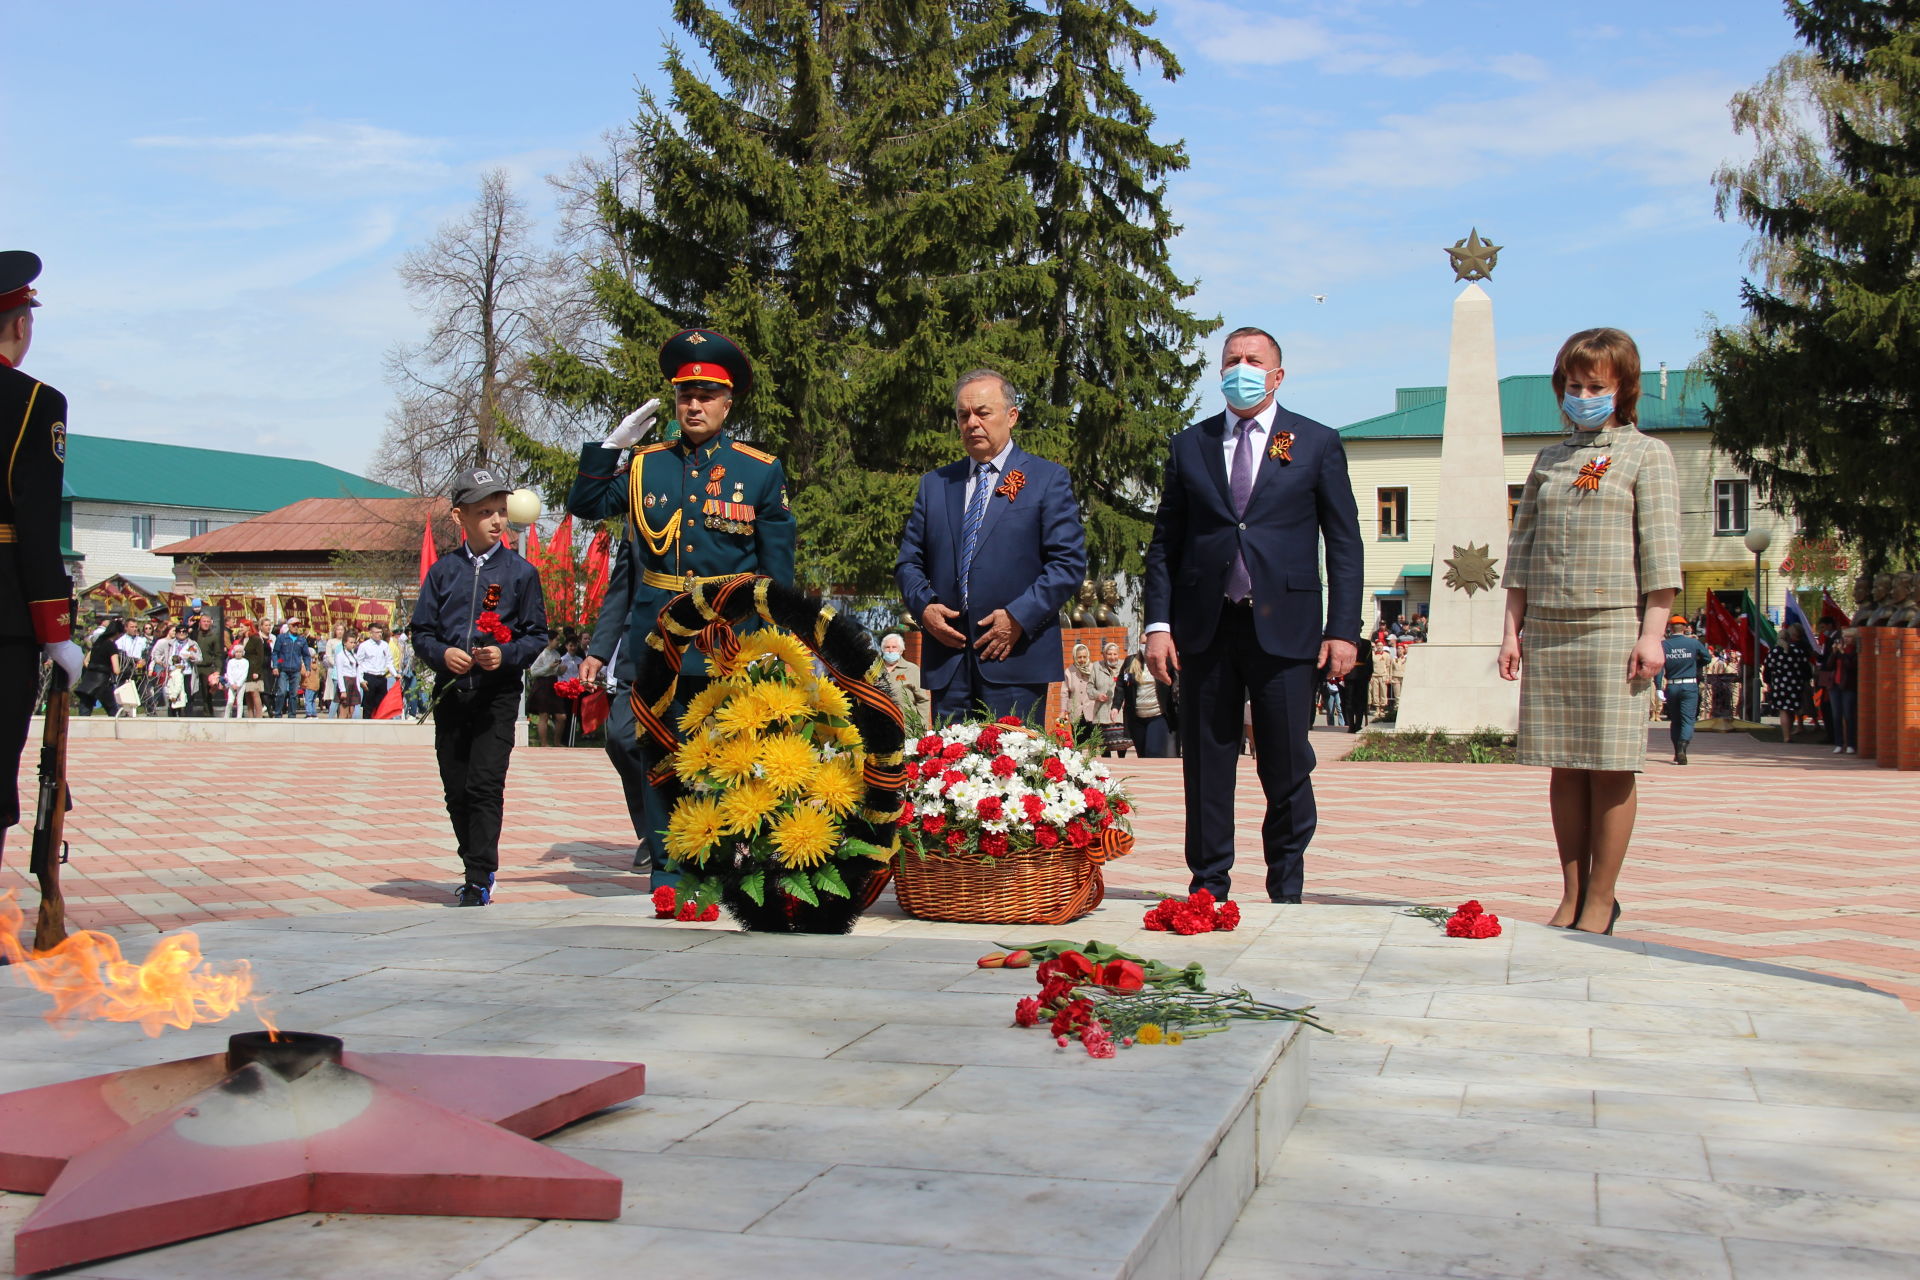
(1672, 133)
(1236, 37)
(322, 155)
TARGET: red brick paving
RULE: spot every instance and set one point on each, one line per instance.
(1782, 854)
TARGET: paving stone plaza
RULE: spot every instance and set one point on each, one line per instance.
(1724, 1089)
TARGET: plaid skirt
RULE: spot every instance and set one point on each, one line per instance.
(1578, 710)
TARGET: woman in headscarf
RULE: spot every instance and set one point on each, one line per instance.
(1089, 692)
(1113, 715)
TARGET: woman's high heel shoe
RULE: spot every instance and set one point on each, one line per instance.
(1610, 923)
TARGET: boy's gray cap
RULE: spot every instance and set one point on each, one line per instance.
(477, 483)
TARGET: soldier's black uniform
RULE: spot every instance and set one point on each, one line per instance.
(36, 596)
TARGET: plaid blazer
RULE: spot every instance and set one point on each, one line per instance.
(1600, 548)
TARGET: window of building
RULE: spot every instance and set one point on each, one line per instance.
(1393, 515)
(197, 527)
(1513, 502)
(1729, 506)
(143, 532)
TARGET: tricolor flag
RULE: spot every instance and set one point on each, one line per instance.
(1798, 616)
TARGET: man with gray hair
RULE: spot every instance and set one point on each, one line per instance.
(992, 550)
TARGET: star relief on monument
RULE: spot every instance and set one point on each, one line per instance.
(1470, 569)
(1474, 258)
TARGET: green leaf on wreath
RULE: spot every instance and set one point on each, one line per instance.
(755, 887)
(797, 884)
(826, 878)
(864, 849)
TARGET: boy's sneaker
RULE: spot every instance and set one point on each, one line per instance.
(474, 895)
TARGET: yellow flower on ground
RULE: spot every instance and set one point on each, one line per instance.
(786, 762)
(745, 713)
(836, 787)
(703, 705)
(745, 807)
(805, 837)
(733, 759)
(693, 830)
(782, 701)
(1149, 1033)
(830, 701)
(1174, 1037)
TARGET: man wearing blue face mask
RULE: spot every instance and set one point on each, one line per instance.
(1233, 604)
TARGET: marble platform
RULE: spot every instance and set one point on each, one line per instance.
(843, 1106)
(1541, 1104)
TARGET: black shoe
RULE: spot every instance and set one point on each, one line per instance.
(1680, 756)
(642, 859)
(1610, 923)
(1289, 899)
(474, 895)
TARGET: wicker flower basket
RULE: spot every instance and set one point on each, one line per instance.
(1021, 888)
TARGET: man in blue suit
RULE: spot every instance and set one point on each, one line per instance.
(1233, 605)
(992, 550)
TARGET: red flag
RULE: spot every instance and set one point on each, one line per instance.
(533, 547)
(1829, 608)
(599, 568)
(389, 708)
(559, 571)
(1724, 631)
(427, 554)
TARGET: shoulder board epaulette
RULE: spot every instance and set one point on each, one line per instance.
(754, 453)
(656, 448)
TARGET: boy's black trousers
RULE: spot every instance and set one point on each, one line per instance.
(473, 736)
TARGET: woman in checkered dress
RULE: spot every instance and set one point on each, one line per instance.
(1593, 563)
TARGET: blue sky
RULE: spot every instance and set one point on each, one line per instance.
(222, 191)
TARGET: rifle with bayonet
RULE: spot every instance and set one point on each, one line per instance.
(50, 817)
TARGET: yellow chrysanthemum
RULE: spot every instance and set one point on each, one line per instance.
(786, 762)
(805, 837)
(828, 700)
(785, 646)
(693, 830)
(693, 755)
(1174, 1037)
(732, 759)
(1149, 1033)
(836, 788)
(845, 734)
(745, 713)
(703, 705)
(745, 807)
(782, 701)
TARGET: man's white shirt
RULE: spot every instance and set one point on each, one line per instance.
(373, 658)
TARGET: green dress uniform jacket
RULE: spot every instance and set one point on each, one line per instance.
(710, 511)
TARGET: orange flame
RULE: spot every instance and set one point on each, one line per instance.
(88, 978)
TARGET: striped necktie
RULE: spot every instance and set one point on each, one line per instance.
(970, 527)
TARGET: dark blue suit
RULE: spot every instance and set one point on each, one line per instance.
(1263, 653)
(1031, 558)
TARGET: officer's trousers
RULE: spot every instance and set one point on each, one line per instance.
(645, 809)
(473, 738)
(19, 688)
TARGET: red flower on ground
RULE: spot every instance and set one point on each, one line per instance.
(1054, 989)
(663, 902)
(1123, 975)
(1098, 1040)
(689, 910)
(1189, 920)
(1055, 769)
(1026, 1013)
(1004, 767)
(1227, 918)
(993, 844)
(1470, 908)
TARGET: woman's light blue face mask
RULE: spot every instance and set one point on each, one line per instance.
(1587, 412)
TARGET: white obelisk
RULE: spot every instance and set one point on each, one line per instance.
(1453, 680)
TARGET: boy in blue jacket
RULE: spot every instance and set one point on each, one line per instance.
(481, 620)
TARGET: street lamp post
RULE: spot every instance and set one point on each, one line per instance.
(1757, 540)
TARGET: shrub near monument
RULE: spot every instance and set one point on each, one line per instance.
(1435, 746)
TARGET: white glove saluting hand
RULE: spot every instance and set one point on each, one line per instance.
(634, 427)
(67, 654)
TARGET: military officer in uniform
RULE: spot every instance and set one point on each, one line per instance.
(36, 596)
(697, 508)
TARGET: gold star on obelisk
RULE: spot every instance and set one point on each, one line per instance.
(1473, 258)
(1470, 569)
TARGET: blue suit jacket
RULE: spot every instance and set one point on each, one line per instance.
(1292, 507)
(1032, 557)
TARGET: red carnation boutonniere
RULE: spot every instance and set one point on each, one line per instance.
(1589, 477)
(1282, 447)
(1010, 487)
(489, 624)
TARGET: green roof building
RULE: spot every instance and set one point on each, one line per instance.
(1394, 462)
(125, 497)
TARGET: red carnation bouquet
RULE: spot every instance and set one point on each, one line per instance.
(1198, 913)
(1469, 919)
(666, 906)
(489, 624)
(570, 689)
(983, 791)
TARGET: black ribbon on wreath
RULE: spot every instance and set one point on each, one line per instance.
(705, 618)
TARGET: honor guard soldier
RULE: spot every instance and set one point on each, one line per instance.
(699, 508)
(36, 596)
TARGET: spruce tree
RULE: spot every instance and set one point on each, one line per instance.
(1116, 338)
(1819, 386)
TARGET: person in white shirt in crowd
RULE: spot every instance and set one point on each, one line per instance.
(235, 679)
(133, 643)
(346, 675)
(375, 661)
